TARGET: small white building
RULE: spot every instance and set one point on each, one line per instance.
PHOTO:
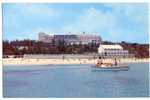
(22, 47)
(112, 51)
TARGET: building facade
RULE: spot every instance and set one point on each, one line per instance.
(70, 39)
(45, 38)
(86, 39)
(67, 39)
(112, 51)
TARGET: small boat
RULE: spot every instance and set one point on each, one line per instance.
(111, 68)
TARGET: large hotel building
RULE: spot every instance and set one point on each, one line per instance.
(70, 39)
(103, 50)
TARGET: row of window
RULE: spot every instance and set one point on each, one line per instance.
(115, 50)
(115, 53)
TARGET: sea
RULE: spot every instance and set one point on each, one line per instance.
(74, 81)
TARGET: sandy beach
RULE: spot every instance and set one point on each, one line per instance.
(23, 61)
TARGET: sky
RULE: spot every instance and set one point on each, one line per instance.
(114, 22)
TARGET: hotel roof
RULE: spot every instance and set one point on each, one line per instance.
(116, 46)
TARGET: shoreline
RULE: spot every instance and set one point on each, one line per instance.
(24, 61)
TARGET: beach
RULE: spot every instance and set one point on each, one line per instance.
(24, 61)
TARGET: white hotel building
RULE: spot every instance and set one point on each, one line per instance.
(112, 51)
(70, 38)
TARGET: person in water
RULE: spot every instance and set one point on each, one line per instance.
(106, 63)
(116, 62)
(100, 62)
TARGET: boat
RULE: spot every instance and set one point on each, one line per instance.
(111, 68)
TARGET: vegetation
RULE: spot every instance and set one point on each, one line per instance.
(140, 50)
(37, 47)
(21, 47)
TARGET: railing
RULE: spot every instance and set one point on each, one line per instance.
(62, 56)
(66, 56)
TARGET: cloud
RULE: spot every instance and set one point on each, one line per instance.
(29, 13)
(25, 19)
(29, 9)
(123, 20)
(113, 21)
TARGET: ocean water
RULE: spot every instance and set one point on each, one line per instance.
(74, 81)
